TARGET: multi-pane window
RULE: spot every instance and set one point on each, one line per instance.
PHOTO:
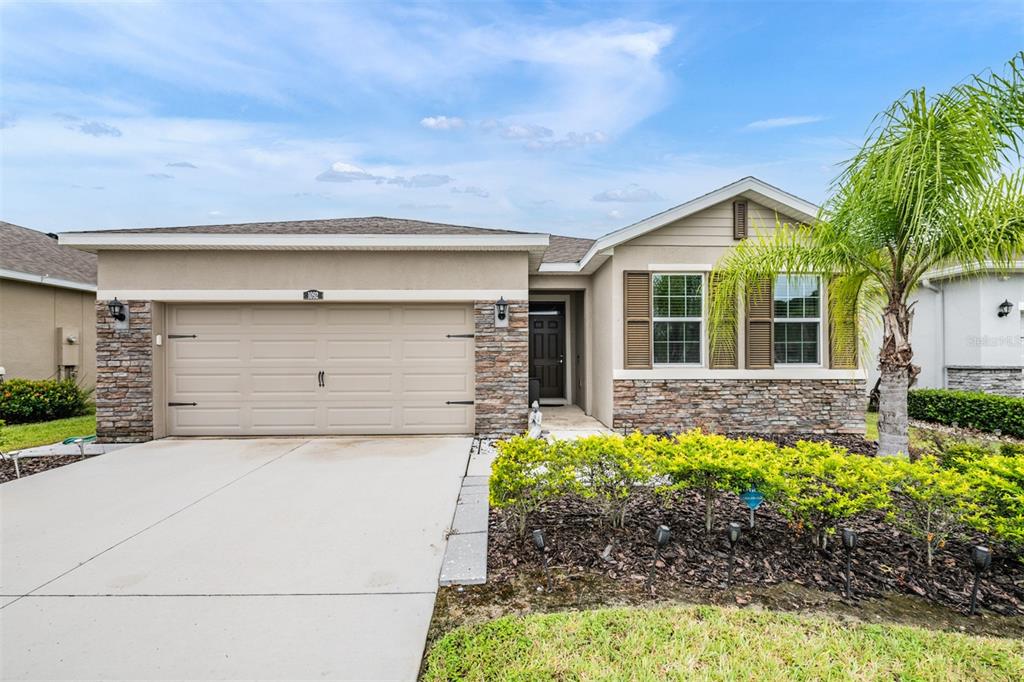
(678, 316)
(797, 304)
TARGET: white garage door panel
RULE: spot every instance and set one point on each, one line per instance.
(253, 369)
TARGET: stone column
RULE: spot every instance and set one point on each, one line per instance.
(124, 375)
(502, 370)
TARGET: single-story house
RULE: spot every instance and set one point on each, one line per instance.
(968, 331)
(47, 307)
(386, 326)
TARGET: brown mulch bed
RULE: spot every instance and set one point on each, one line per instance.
(854, 443)
(886, 562)
(34, 465)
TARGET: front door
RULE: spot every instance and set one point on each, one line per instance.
(547, 348)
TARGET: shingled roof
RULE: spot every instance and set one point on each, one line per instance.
(561, 249)
(31, 252)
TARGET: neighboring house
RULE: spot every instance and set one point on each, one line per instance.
(418, 327)
(47, 307)
(968, 331)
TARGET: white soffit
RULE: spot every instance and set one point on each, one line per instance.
(96, 241)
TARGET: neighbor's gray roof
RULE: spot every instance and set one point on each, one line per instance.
(561, 249)
(35, 253)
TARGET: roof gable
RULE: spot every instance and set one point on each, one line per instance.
(750, 187)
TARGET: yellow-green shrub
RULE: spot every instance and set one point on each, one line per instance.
(527, 472)
(611, 468)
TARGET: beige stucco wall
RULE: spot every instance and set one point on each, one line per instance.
(301, 270)
(607, 326)
(30, 315)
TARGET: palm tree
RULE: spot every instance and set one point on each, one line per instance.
(937, 183)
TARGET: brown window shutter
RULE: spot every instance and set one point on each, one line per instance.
(724, 352)
(739, 220)
(636, 296)
(760, 325)
(842, 334)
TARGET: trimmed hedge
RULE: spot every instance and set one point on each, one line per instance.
(817, 486)
(24, 401)
(981, 411)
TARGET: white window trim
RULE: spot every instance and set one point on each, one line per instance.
(819, 320)
(703, 326)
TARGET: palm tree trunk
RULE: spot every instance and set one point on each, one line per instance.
(896, 375)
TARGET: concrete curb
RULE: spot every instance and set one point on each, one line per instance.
(465, 557)
(59, 449)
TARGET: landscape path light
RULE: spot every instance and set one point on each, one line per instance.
(662, 535)
(541, 544)
(733, 534)
(981, 559)
(850, 544)
(753, 498)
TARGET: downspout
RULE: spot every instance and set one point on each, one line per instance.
(927, 284)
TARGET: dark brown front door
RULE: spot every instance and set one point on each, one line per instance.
(547, 351)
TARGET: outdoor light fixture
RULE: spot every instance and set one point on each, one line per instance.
(733, 534)
(1004, 308)
(116, 309)
(981, 559)
(502, 308)
(662, 534)
(850, 543)
(753, 499)
(541, 545)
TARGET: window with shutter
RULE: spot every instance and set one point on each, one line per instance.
(739, 220)
(637, 332)
(723, 353)
(759, 325)
(842, 334)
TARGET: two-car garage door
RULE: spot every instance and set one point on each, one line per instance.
(318, 368)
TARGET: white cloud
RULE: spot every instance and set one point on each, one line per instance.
(471, 189)
(181, 164)
(442, 123)
(630, 193)
(571, 140)
(345, 172)
(93, 128)
(424, 207)
(782, 122)
(160, 176)
(614, 214)
(422, 180)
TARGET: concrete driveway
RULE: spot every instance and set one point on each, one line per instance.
(228, 559)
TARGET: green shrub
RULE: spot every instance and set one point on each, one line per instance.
(1011, 449)
(611, 468)
(980, 411)
(527, 472)
(713, 464)
(998, 484)
(24, 401)
(823, 485)
(934, 500)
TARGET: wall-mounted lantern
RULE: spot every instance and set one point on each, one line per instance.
(117, 310)
(1004, 308)
(501, 313)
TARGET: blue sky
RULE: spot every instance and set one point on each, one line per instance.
(573, 118)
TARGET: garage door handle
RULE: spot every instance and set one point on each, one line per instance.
(458, 402)
(460, 336)
(182, 404)
(320, 378)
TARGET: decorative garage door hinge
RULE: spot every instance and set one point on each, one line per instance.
(182, 404)
(460, 336)
(182, 336)
(458, 402)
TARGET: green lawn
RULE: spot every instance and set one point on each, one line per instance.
(711, 643)
(19, 436)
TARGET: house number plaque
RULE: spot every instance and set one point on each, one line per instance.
(312, 295)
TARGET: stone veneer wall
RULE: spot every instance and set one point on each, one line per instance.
(1007, 381)
(737, 405)
(124, 375)
(502, 370)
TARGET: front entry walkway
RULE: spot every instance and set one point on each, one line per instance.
(563, 423)
(228, 559)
